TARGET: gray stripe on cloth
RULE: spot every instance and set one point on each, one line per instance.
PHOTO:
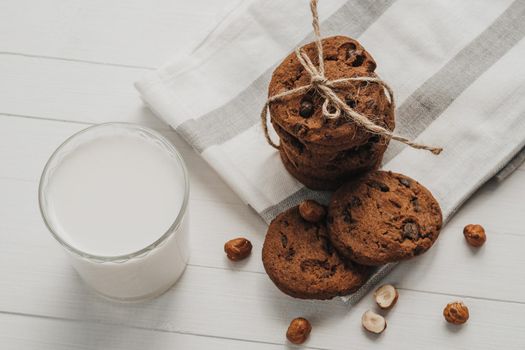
(512, 166)
(243, 111)
(370, 283)
(433, 97)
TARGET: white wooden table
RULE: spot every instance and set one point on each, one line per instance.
(65, 64)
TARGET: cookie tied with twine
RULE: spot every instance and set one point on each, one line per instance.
(333, 106)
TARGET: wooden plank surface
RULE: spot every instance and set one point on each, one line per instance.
(60, 334)
(66, 90)
(121, 32)
(432, 279)
(66, 64)
(247, 306)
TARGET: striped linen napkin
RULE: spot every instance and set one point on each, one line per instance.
(456, 68)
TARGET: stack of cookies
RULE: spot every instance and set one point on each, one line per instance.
(374, 217)
(311, 252)
(323, 153)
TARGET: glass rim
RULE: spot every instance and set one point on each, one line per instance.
(123, 257)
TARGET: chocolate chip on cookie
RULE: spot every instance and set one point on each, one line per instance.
(307, 109)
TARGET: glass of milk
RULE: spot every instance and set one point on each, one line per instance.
(115, 196)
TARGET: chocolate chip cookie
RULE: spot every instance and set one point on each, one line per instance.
(316, 179)
(298, 257)
(301, 115)
(357, 157)
(383, 217)
(332, 171)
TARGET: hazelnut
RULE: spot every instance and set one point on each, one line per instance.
(238, 248)
(298, 330)
(456, 312)
(312, 211)
(386, 296)
(373, 322)
(475, 235)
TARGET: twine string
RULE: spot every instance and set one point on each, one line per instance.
(333, 107)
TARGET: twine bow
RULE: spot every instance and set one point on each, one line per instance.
(333, 107)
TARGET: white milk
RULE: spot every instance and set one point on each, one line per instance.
(112, 191)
